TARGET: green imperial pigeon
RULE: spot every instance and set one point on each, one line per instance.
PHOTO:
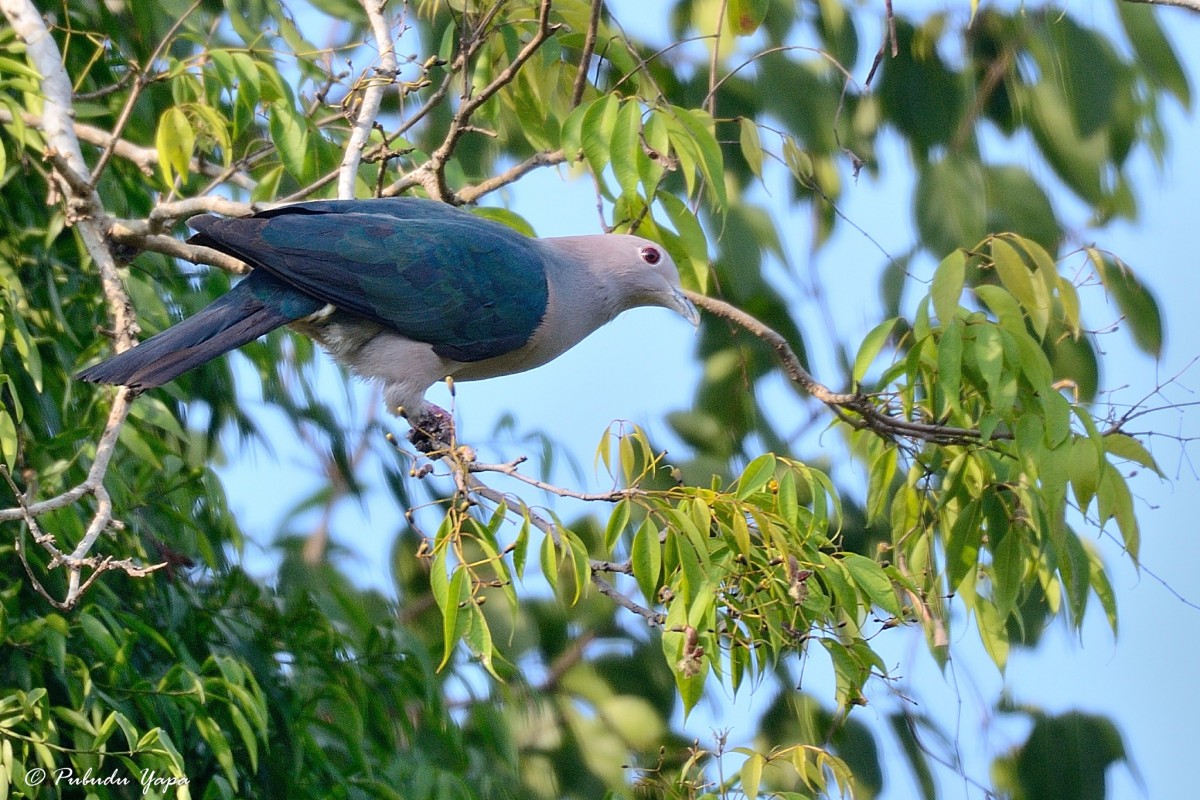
(407, 292)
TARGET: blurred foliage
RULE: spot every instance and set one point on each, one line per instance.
(305, 684)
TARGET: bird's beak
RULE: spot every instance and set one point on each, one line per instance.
(685, 307)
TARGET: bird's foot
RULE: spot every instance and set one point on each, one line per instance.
(432, 430)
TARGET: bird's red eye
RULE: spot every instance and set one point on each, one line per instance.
(651, 255)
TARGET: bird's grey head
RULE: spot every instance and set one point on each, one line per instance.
(634, 271)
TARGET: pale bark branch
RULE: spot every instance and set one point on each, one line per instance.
(138, 234)
(471, 194)
(86, 212)
(511, 470)
(1190, 5)
(372, 97)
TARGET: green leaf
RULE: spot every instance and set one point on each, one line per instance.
(1007, 571)
(756, 475)
(1137, 305)
(597, 132)
(745, 17)
(478, 637)
(572, 130)
(751, 145)
(951, 206)
(1116, 502)
(1084, 470)
(616, 524)
(697, 127)
(521, 546)
(550, 561)
(653, 157)
(871, 346)
(453, 624)
(873, 581)
(1016, 276)
(930, 116)
(1103, 589)
(1067, 757)
(290, 135)
(948, 286)
(175, 142)
(962, 549)
(1017, 203)
(647, 559)
(576, 552)
(1087, 71)
(1004, 307)
(249, 739)
(212, 734)
(506, 217)
(1079, 161)
(1130, 449)
(625, 145)
(992, 631)
(1155, 53)
(989, 355)
(751, 774)
(741, 532)
(694, 240)
(950, 357)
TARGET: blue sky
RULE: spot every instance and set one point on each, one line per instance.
(641, 367)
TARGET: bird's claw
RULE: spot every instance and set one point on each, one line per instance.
(432, 430)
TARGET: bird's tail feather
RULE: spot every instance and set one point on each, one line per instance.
(230, 322)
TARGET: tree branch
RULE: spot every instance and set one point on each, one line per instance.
(1190, 5)
(144, 158)
(84, 209)
(510, 469)
(139, 83)
(471, 194)
(585, 60)
(653, 618)
(138, 234)
(433, 172)
(372, 97)
(857, 409)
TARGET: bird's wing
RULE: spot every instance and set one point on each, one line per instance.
(472, 288)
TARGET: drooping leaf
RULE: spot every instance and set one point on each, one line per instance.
(175, 141)
(950, 204)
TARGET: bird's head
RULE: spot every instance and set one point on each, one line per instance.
(634, 272)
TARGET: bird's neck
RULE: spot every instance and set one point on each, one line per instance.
(581, 287)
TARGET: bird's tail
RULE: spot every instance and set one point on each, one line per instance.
(231, 321)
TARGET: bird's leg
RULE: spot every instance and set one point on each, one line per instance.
(432, 429)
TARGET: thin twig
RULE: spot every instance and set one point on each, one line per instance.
(471, 194)
(510, 469)
(653, 618)
(714, 60)
(855, 408)
(585, 60)
(139, 83)
(433, 171)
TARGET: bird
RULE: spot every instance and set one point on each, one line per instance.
(407, 292)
